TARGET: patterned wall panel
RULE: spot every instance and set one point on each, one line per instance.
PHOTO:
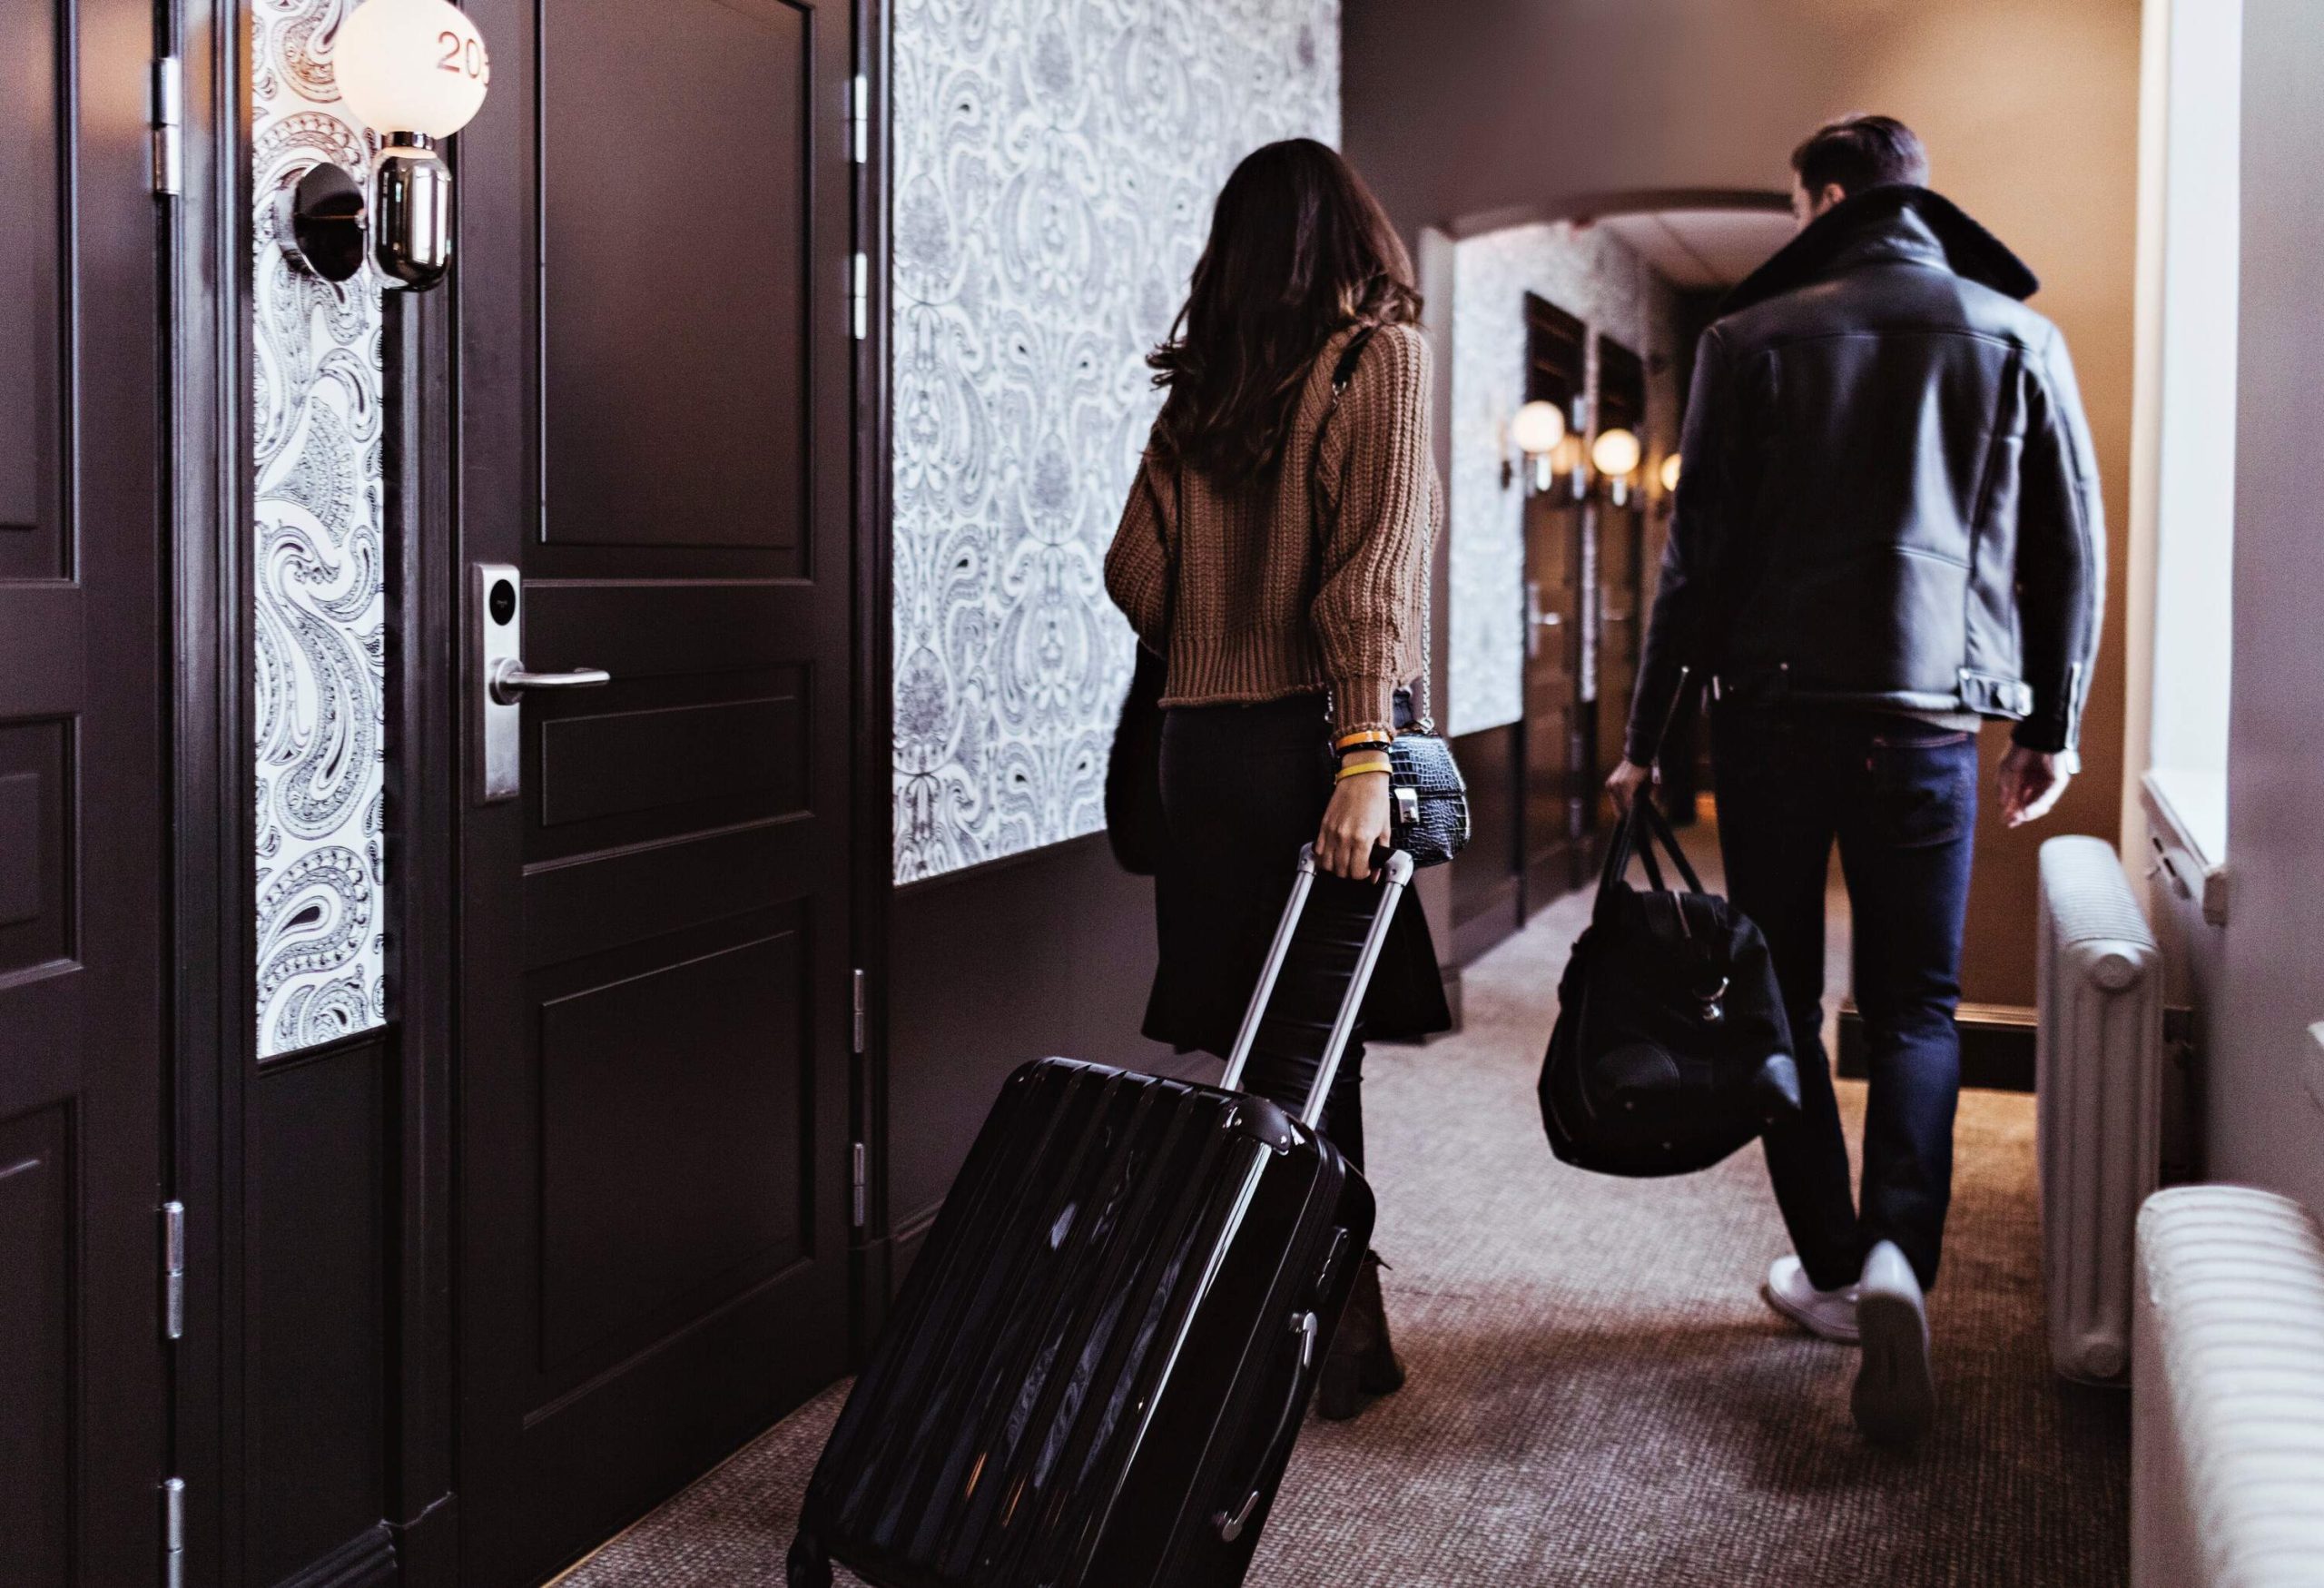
(1055, 164)
(1596, 277)
(321, 591)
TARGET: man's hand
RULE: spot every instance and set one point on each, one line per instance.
(1627, 780)
(1354, 825)
(2031, 784)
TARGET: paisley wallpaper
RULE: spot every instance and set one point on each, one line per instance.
(1055, 164)
(1596, 277)
(321, 600)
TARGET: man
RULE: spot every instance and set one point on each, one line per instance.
(1887, 529)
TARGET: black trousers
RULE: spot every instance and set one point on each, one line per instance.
(1901, 799)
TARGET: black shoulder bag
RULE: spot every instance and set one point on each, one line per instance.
(1672, 1049)
(1428, 811)
(1133, 823)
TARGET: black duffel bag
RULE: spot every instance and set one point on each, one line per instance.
(1672, 1049)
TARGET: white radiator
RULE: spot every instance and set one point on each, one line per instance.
(2098, 1068)
(2227, 1398)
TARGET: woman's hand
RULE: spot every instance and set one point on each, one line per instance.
(1354, 825)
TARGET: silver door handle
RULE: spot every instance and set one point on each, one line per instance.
(510, 679)
(1549, 619)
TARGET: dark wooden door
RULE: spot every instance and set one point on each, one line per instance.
(1617, 542)
(1556, 757)
(82, 1416)
(657, 413)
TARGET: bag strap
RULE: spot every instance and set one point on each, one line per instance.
(1636, 834)
(1343, 375)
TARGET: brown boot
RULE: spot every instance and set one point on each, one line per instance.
(1362, 1361)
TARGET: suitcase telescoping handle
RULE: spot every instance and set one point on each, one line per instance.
(1399, 876)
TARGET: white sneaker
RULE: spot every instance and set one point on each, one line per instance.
(1895, 1394)
(1829, 1314)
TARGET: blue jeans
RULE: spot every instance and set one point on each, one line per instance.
(1900, 797)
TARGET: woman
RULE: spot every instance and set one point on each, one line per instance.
(1275, 553)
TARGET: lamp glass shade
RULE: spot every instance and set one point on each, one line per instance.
(1536, 427)
(411, 66)
(1670, 472)
(1615, 452)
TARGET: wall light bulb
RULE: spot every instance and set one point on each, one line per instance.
(411, 66)
(1536, 427)
(1615, 453)
(1670, 472)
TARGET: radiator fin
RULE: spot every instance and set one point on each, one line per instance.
(2228, 1425)
(2098, 1074)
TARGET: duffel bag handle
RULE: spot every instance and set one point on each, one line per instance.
(1643, 813)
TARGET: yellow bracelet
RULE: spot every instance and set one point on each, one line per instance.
(1357, 768)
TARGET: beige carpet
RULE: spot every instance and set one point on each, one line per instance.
(1598, 1396)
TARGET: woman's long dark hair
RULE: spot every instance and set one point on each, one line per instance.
(1298, 248)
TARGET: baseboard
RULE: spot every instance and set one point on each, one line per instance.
(428, 1547)
(366, 1561)
(1996, 1045)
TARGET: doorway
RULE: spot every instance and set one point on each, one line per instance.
(1614, 545)
(656, 519)
(83, 954)
(1556, 731)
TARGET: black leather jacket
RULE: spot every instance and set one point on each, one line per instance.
(1887, 497)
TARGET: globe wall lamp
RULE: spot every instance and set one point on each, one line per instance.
(1615, 455)
(1536, 430)
(415, 72)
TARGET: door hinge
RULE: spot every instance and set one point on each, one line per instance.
(859, 105)
(174, 1270)
(172, 1532)
(862, 296)
(860, 1037)
(169, 127)
(859, 1181)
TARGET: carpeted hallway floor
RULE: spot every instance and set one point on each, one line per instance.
(1598, 1396)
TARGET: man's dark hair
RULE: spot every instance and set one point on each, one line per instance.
(1858, 151)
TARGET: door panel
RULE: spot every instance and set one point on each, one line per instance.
(656, 429)
(82, 1391)
(1619, 537)
(677, 294)
(1556, 756)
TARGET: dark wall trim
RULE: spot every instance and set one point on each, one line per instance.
(874, 738)
(206, 304)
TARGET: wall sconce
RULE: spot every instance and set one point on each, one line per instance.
(1670, 475)
(414, 70)
(1535, 429)
(1615, 456)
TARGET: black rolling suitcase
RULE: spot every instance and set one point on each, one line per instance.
(1102, 1357)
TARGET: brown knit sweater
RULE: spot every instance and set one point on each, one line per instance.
(1224, 584)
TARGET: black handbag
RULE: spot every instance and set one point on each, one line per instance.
(1672, 1049)
(1428, 808)
(1134, 772)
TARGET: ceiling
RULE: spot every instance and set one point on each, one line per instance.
(1702, 248)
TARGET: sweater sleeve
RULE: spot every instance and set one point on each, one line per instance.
(1138, 564)
(1382, 527)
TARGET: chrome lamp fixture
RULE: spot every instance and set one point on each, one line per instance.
(1615, 455)
(415, 72)
(1535, 429)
